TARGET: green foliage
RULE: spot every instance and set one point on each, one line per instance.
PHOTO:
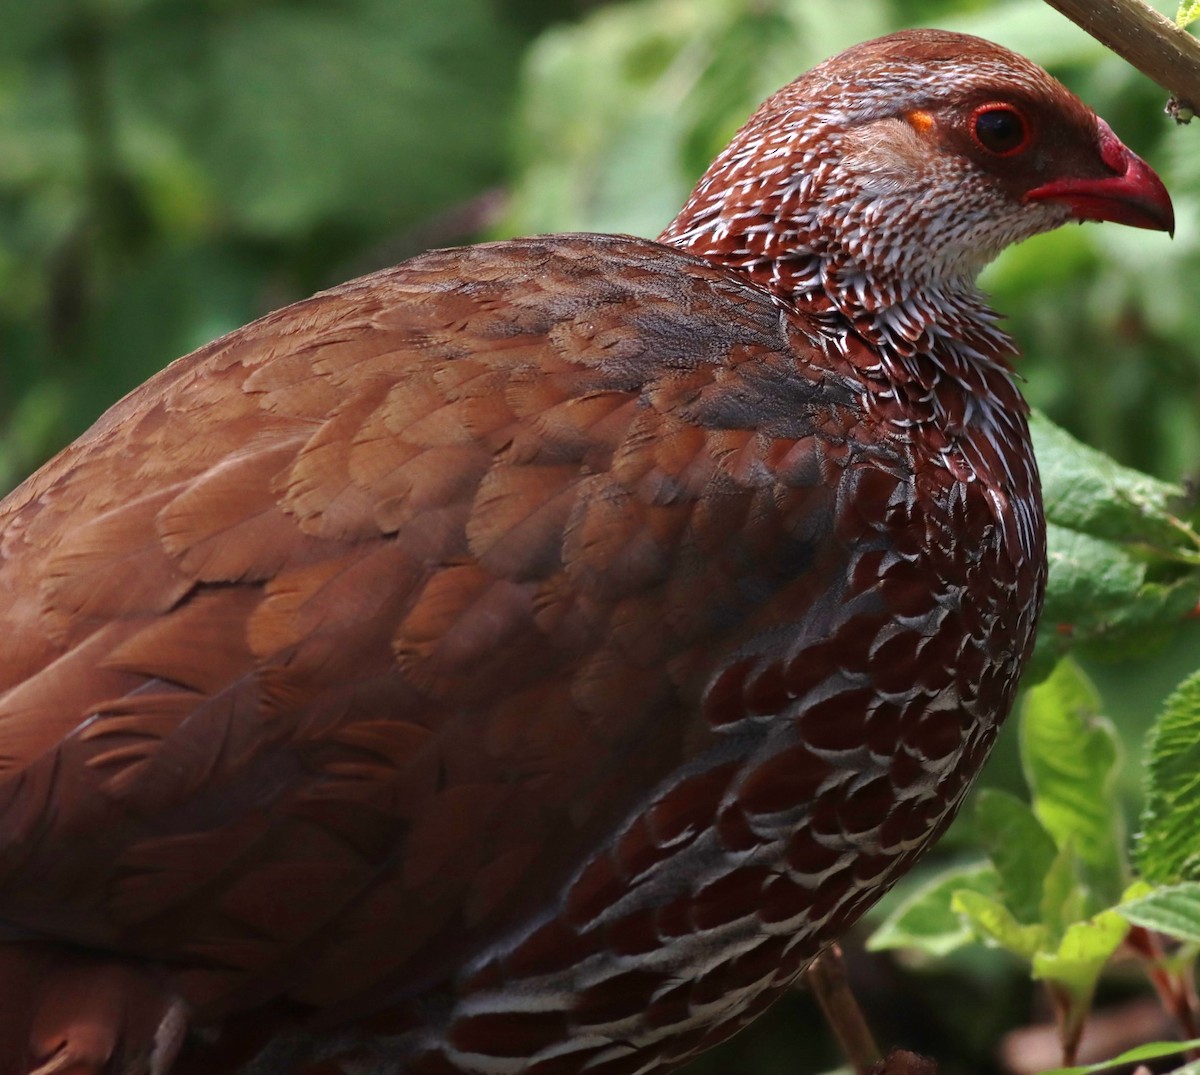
(1055, 866)
(1188, 13)
(925, 919)
(1124, 551)
(1022, 852)
(624, 110)
(1058, 865)
(1089, 492)
(1142, 1053)
(1055, 891)
(1173, 910)
(1070, 752)
(1168, 848)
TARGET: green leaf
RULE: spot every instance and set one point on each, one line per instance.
(1168, 847)
(926, 920)
(1021, 851)
(1086, 491)
(1064, 900)
(1100, 594)
(1069, 752)
(1123, 555)
(1174, 910)
(994, 923)
(1081, 954)
(1150, 1051)
(1188, 13)
(1091, 577)
(1072, 969)
(1137, 890)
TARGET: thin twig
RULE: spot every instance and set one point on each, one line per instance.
(1150, 41)
(826, 977)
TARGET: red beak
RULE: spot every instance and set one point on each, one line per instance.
(1133, 195)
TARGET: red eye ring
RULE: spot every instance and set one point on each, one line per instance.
(1000, 129)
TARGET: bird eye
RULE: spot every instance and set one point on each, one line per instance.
(1000, 129)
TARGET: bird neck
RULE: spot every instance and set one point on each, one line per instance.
(932, 363)
(935, 345)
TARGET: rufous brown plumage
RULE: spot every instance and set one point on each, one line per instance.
(525, 659)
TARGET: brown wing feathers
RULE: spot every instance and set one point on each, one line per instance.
(282, 585)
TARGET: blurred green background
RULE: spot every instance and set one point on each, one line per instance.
(170, 169)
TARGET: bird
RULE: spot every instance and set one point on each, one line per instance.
(528, 658)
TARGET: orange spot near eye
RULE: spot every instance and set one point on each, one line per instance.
(921, 122)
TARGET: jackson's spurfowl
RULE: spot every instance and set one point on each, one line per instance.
(527, 658)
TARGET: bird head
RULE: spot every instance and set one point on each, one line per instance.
(879, 184)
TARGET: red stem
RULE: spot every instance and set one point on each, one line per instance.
(1175, 989)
